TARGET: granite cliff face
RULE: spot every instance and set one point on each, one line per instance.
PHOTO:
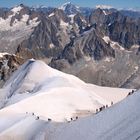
(122, 29)
(100, 46)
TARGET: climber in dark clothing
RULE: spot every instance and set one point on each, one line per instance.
(132, 91)
(129, 93)
(3, 76)
(101, 108)
(49, 119)
(96, 110)
(37, 118)
(106, 106)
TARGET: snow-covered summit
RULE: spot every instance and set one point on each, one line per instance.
(16, 9)
(70, 8)
(67, 4)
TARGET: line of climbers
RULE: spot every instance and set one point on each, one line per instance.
(130, 93)
(103, 107)
(37, 117)
(97, 110)
(72, 119)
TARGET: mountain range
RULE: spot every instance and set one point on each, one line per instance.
(100, 46)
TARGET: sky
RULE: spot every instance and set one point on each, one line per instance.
(83, 3)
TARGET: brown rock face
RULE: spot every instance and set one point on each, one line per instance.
(8, 64)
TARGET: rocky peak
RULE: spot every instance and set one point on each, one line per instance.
(98, 16)
(60, 15)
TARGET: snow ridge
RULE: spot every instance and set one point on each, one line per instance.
(37, 94)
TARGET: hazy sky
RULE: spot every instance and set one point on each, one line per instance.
(85, 3)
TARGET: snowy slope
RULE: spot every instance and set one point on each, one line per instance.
(61, 94)
(16, 26)
(20, 127)
(120, 122)
(48, 93)
(5, 24)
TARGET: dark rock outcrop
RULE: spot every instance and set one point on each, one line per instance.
(120, 28)
(8, 64)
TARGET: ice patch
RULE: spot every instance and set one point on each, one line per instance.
(107, 59)
(112, 43)
(25, 18)
(52, 14)
(136, 67)
(72, 18)
(104, 12)
(51, 45)
(5, 53)
(64, 24)
(135, 46)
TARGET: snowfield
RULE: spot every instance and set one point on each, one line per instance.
(5, 23)
(37, 100)
(119, 122)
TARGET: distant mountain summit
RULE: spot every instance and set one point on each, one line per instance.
(104, 6)
(70, 8)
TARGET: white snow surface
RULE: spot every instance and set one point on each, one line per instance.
(4, 53)
(104, 12)
(72, 18)
(16, 9)
(63, 7)
(52, 14)
(17, 25)
(119, 122)
(20, 127)
(112, 43)
(64, 24)
(48, 93)
(61, 94)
